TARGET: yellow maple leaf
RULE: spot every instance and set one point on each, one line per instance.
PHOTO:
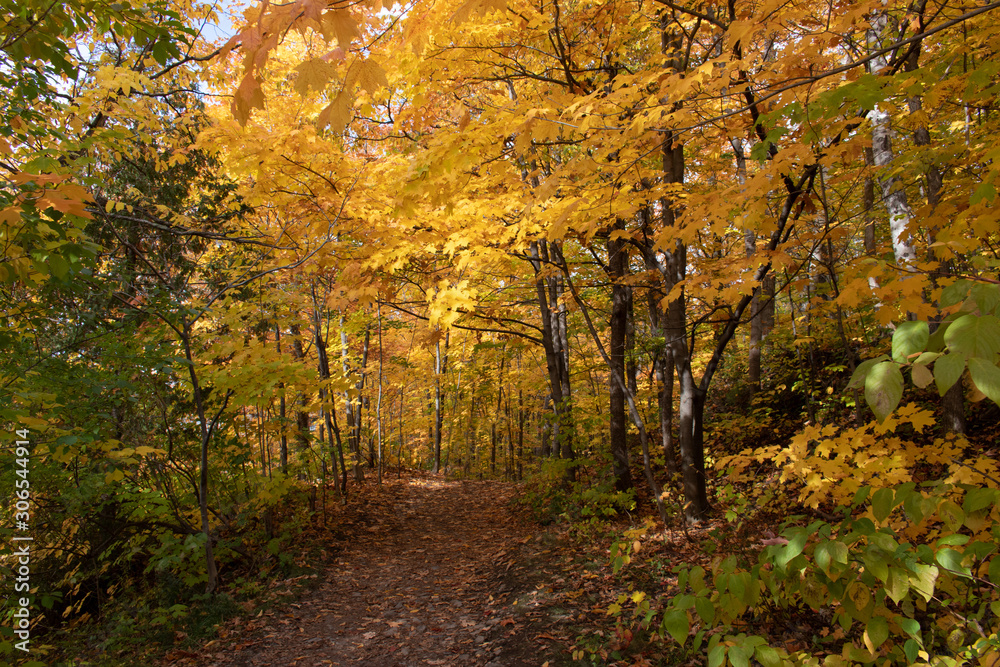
(477, 8)
(248, 96)
(371, 76)
(337, 114)
(340, 24)
(313, 74)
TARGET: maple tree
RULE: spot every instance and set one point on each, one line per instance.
(589, 242)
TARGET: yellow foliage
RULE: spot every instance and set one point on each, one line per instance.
(830, 464)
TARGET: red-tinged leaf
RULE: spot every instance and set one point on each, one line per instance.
(23, 177)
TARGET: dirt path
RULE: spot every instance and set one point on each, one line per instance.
(429, 584)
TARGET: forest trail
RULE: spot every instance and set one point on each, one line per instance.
(434, 581)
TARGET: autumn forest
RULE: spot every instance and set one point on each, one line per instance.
(668, 330)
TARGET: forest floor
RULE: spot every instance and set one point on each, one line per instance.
(433, 573)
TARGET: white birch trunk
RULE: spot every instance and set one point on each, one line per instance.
(893, 191)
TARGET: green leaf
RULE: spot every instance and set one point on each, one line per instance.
(923, 579)
(697, 579)
(978, 498)
(987, 297)
(910, 626)
(884, 388)
(860, 595)
(794, 547)
(927, 358)
(676, 623)
(911, 648)
(951, 514)
(767, 656)
(974, 336)
(59, 266)
(867, 91)
(838, 552)
(909, 338)
(741, 586)
(684, 601)
(717, 655)
(814, 592)
(955, 293)
(986, 376)
(861, 372)
(706, 610)
(994, 571)
(739, 656)
(897, 585)
(984, 192)
(951, 560)
(877, 630)
(947, 369)
(821, 556)
(875, 562)
(882, 504)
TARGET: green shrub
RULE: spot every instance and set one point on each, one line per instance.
(879, 594)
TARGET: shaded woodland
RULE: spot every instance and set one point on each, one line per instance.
(711, 289)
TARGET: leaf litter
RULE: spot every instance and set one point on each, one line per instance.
(447, 573)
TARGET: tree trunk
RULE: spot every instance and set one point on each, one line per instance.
(521, 417)
(326, 397)
(440, 368)
(631, 363)
(691, 402)
(555, 361)
(378, 404)
(206, 430)
(617, 263)
(954, 399)
(282, 416)
(354, 407)
(496, 414)
(629, 397)
(561, 337)
(756, 316)
(663, 363)
(893, 191)
(302, 414)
